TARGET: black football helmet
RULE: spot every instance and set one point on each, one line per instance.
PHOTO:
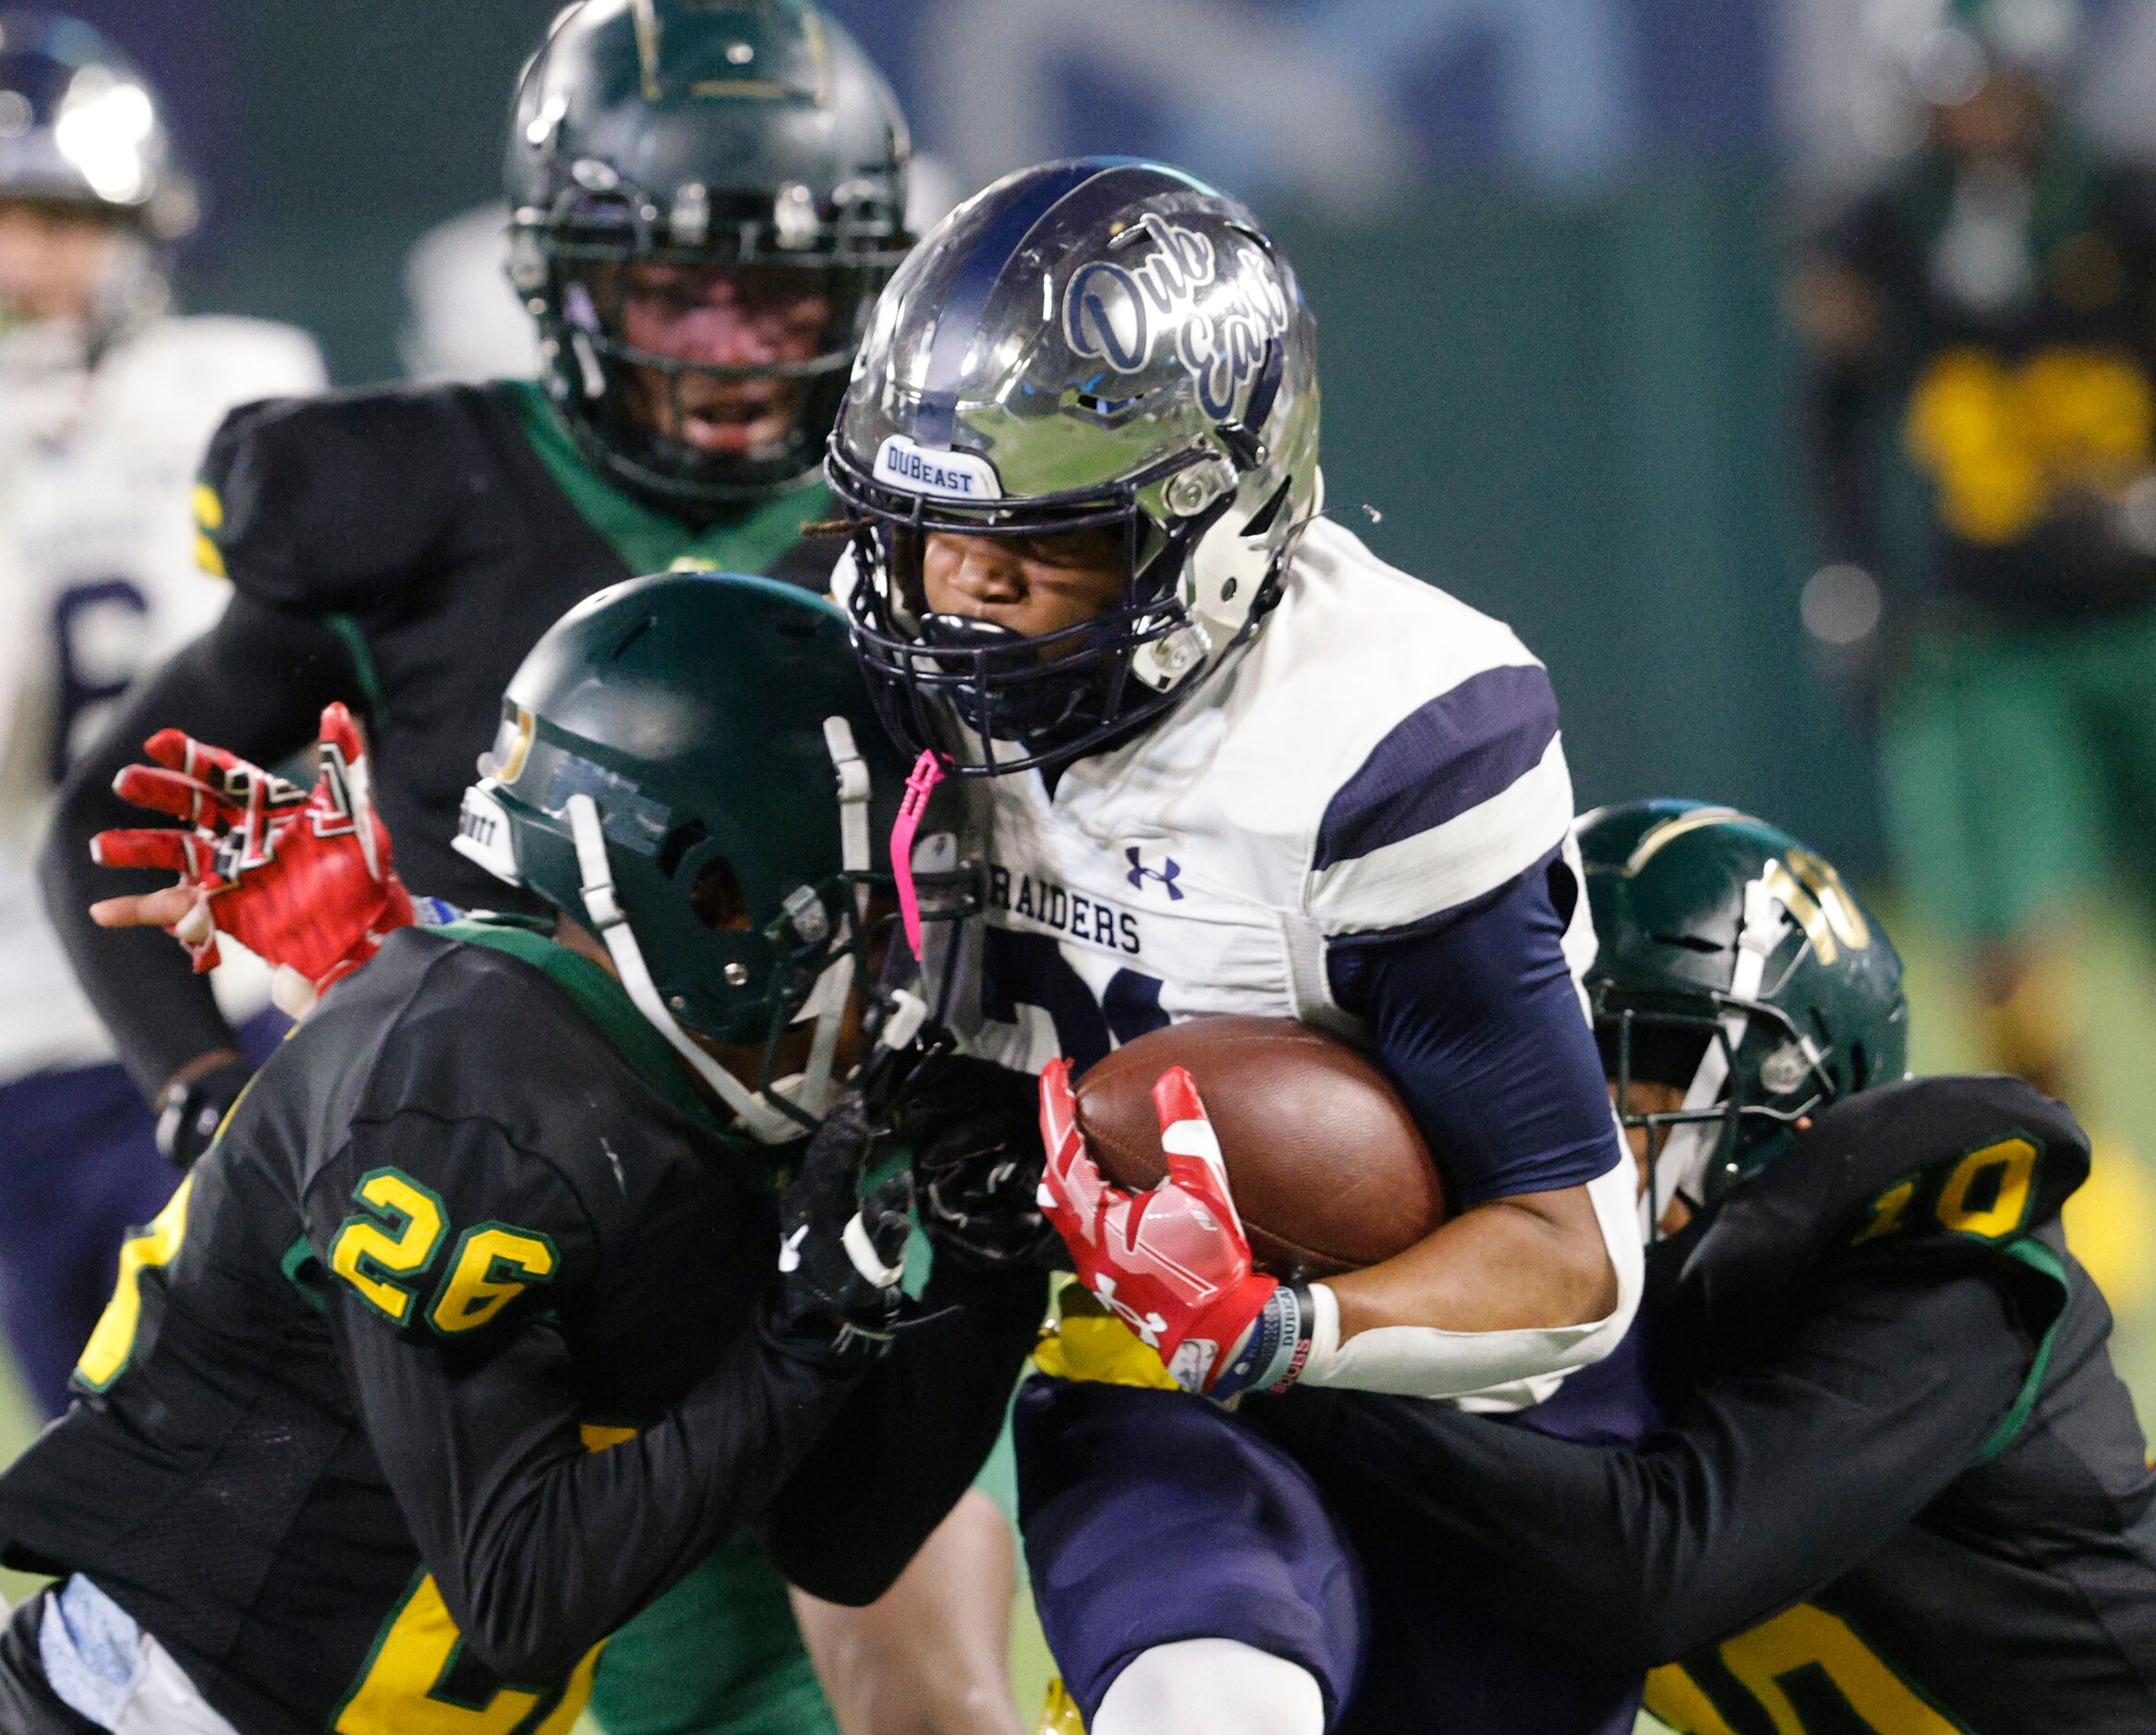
(750, 134)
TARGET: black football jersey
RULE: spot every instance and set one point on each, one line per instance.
(439, 532)
(399, 550)
(1901, 1490)
(424, 1348)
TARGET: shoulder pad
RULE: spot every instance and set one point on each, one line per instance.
(1439, 776)
(1983, 1157)
(1924, 1168)
(315, 503)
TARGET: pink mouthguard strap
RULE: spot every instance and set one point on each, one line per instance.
(926, 773)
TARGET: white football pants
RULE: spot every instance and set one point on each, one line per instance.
(1211, 1687)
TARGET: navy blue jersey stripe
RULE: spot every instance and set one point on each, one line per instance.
(974, 281)
(1454, 754)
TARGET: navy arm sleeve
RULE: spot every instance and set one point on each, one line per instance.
(255, 683)
(1771, 1482)
(1478, 1024)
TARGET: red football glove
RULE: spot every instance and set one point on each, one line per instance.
(1172, 1262)
(302, 878)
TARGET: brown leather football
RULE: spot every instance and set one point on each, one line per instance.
(1326, 1165)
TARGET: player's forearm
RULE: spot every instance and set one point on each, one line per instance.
(1769, 1483)
(1479, 1025)
(1516, 1264)
(1562, 1283)
(251, 683)
(542, 1549)
(910, 1440)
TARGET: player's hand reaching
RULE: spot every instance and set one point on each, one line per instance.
(841, 1255)
(974, 1131)
(1171, 1262)
(301, 878)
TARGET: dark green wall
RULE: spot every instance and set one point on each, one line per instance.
(1574, 419)
(359, 126)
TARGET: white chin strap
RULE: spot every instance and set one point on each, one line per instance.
(815, 1087)
(757, 1116)
(1681, 1171)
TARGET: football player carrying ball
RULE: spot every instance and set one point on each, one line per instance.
(1211, 756)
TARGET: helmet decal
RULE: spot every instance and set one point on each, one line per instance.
(1120, 312)
(951, 474)
(1819, 904)
(1669, 830)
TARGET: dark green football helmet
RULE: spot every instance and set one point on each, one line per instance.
(747, 134)
(687, 766)
(1733, 965)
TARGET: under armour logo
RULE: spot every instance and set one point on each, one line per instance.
(1167, 873)
(1149, 1326)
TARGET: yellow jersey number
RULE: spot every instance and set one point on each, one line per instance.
(112, 1342)
(406, 1689)
(1766, 1664)
(1985, 1196)
(385, 1250)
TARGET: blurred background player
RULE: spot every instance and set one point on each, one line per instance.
(1981, 318)
(706, 200)
(107, 399)
(1902, 1487)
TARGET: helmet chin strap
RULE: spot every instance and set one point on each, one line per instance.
(1690, 1147)
(603, 910)
(817, 1085)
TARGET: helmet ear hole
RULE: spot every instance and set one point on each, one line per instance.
(1859, 1067)
(679, 843)
(717, 898)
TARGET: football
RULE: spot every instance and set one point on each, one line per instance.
(1328, 1168)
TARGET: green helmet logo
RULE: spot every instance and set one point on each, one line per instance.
(1735, 966)
(686, 765)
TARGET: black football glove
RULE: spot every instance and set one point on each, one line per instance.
(975, 1130)
(837, 1298)
(188, 1114)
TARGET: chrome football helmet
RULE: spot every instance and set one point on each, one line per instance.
(82, 131)
(1102, 344)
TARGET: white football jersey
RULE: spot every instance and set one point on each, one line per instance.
(97, 583)
(1378, 755)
